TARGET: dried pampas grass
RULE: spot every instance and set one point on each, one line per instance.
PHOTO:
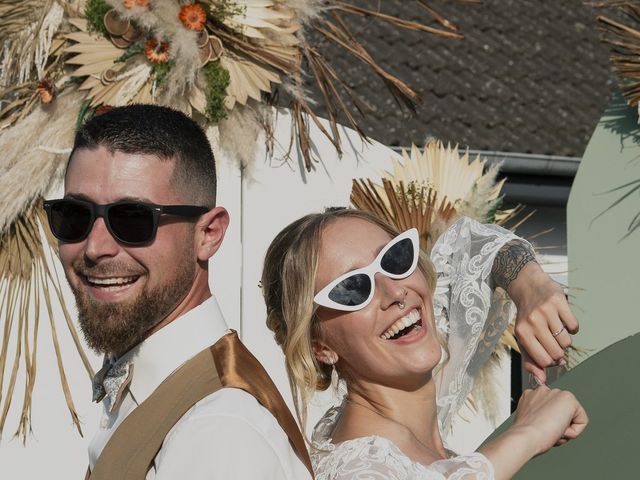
(184, 54)
(30, 51)
(26, 32)
(307, 10)
(35, 152)
(239, 134)
(481, 200)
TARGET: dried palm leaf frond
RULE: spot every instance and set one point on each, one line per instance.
(265, 20)
(429, 189)
(26, 278)
(35, 151)
(256, 46)
(247, 80)
(108, 81)
(624, 37)
(336, 96)
(625, 40)
(261, 48)
(404, 206)
(26, 34)
(453, 175)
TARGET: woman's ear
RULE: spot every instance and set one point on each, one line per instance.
(324, 354)
(210, 231)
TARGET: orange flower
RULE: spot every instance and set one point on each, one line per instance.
(156, 52)
(193, 16)
(102, 109)
(47, 91)
(129, 4)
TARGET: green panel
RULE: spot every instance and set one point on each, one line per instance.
(604, 269)
(608, 386)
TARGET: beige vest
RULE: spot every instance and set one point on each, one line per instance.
(130, 451)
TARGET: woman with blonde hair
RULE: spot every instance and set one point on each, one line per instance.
(345, 292)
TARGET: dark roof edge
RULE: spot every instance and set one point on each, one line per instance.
(526, 163)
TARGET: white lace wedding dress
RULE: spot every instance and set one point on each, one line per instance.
(472, 315)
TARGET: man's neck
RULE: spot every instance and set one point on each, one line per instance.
(197, 294)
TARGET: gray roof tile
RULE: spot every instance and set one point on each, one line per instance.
(531, 75)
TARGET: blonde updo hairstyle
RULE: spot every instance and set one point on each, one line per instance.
(288, 284)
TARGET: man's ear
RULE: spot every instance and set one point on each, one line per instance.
(323, 353)
(210, 230)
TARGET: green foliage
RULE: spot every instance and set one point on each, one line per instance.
(72, 80)
(217, 82)
(95, 11)
(132, 51)
(495, 206)
(631, 188)
(160, 71)
(219, 10)
(85, 113)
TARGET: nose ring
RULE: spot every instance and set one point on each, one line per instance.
(401, 303)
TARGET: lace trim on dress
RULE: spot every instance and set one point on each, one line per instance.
(375, 457)
(468, 311)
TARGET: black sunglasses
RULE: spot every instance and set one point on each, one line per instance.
(129, 222)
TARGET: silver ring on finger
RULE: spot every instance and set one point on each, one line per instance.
(555, 334)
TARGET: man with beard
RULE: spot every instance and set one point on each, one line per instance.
(136, 228)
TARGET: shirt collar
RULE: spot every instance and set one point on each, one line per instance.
(171, 346)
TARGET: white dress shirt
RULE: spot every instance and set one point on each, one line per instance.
(226, 435)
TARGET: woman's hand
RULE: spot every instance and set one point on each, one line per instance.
(544, 418)
(549, 417)
(543, 311)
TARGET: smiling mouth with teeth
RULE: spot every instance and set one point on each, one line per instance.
(410, 322)
(111, 283)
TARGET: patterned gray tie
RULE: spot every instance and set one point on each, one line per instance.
(111, 380)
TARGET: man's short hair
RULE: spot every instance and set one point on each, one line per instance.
(160, 131)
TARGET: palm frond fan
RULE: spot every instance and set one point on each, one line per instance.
(430, 189)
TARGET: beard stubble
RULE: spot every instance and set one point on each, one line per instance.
(114, 328)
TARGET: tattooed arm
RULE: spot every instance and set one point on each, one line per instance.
(511, 258)
(544, 320)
